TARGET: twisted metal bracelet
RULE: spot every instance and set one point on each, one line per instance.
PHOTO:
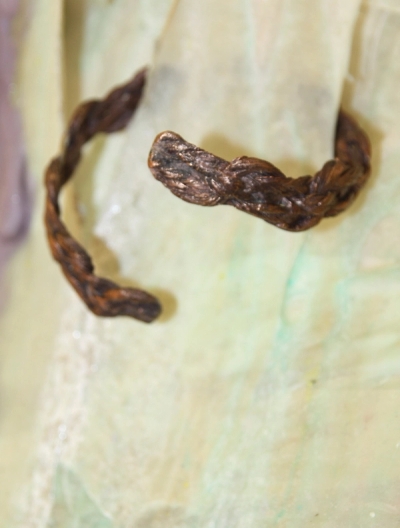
(251, 185)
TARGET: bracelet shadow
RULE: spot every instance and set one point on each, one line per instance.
(221, 146)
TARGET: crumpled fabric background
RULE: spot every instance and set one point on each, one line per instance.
(268, 393)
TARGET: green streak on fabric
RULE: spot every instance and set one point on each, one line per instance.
(73, 507)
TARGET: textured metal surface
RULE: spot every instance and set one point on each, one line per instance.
(259, 188)
(102, 296)
(251, 185)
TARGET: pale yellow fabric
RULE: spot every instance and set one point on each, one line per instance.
(30, 323)
(268, 393)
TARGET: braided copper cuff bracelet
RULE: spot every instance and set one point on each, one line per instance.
(249, 184)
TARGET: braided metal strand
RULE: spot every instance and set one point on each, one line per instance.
(102, 296)
(259, 188)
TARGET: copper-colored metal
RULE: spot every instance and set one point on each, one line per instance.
(102, 296)
(258, 187)
(249, 184)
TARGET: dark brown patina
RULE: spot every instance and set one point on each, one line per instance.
(257, 187)
(249, 184)
(102, 296)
